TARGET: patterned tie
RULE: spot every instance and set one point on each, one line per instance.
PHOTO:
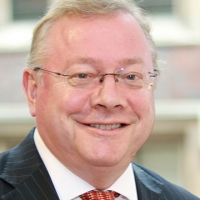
(99, 195)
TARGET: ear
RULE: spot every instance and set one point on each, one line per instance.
(30, 89)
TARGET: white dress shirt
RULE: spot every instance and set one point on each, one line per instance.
(69, 186)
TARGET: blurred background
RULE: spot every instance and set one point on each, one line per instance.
(173, 149)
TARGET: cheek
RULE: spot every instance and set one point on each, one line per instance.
(142, 103)
(142, 106)
(54, 97)
(74, 101)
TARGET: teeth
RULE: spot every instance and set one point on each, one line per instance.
(105, 126)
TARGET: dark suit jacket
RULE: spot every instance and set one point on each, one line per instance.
(23, 176)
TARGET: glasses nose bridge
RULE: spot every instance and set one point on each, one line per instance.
(102, 76)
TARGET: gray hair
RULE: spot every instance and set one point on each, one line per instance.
(84, 8)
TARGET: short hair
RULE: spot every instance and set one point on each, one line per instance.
(84, 8)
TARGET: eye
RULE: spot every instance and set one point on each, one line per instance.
(82, 76)
(133, 76)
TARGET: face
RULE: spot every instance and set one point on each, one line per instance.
(101, 126)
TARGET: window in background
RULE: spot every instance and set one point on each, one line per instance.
(28, 9)
(157, 6)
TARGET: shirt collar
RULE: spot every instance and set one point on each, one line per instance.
(64, 180)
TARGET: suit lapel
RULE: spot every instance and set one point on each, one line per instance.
(148, 188)
(37, 187)
(27, 173)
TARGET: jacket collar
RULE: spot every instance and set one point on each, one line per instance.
(148, 188)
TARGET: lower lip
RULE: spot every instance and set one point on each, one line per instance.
(105, 132)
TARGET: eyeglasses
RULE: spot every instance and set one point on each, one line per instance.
(89, 79)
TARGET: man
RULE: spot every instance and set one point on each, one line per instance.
(89, 84)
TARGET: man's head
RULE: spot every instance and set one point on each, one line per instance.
(93, 100)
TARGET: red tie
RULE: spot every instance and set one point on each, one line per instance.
(99, 195)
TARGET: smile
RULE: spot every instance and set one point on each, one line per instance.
(106, 126)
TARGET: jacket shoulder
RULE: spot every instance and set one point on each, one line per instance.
(18, 163)
(5, 187)
(169, 190)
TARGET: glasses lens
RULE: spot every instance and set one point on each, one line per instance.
(81, 79)
(133, 79)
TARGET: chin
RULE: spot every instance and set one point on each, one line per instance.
(107, 161)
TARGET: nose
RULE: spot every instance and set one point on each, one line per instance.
(107, 95)
(110, 74)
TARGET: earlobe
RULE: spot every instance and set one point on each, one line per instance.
(30, 89)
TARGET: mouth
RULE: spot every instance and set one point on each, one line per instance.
(107, 126)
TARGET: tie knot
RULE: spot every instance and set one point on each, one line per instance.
(99, 195)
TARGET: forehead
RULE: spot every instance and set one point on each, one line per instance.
(112, 38)
(71, 26)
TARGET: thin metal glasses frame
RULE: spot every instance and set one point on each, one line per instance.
(151, 74)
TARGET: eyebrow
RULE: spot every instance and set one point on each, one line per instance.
(96, 62)
(131, 61)
(83, 60)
